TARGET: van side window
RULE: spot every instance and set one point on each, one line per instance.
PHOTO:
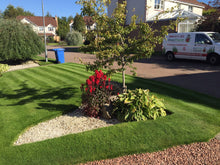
(202, 39)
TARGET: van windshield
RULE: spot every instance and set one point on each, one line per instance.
(214, 36)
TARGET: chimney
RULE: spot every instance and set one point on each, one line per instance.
(56, 19)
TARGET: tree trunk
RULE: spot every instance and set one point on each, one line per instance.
(123, 76)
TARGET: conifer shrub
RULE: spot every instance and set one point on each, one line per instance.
(74, 38)
(18, 42)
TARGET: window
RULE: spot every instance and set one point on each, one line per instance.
(50, 28)
(215, 36)
(186, 26)
(202, 39)
(190, 8)
(158, 4)
(41, 28)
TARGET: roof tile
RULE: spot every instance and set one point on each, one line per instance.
(38, 20)
(195, 2)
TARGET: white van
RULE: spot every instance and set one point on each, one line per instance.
(193, 45)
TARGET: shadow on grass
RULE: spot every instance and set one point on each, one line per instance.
(48, 99)
(175, 92)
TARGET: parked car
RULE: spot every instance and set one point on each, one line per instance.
(193, 45)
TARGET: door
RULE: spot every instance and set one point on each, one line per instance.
(201, 47)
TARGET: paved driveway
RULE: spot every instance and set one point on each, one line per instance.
(195, 75)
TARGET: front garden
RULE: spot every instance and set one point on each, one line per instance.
(30, 96)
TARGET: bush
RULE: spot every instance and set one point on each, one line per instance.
(96, 93)
(74, 38)
(138, 105)
(50, 39)
(3, 68)
(18, 42)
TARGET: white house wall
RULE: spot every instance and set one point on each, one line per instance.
(137, 8)
(197, 10)
(144, 9)
(38, 29)
(34, 27)
(111, 7)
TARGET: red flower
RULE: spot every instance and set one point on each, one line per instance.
(86, 89)
(90, 90)
(98, 75)
(107, 87)
(117, 93)
(100, 87)
(105, 77)
(92, 78)
(97, 81)
(111, 87)
(89, 82)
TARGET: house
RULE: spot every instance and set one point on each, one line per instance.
(36, 22)
(149, 10)
(90, 24)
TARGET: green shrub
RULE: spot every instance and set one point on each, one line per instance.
(74, 38)
(136, 105)
(50, 39)
(3, 68)
(18, 42)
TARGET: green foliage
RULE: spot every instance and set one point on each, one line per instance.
(3, 68)
(50, 39)
(79, 24)
(12, 12)
(96, 93)
(112, 39)
(63, 27)
(18, 42)
(210, 21)
(74, 38)
(136, 105)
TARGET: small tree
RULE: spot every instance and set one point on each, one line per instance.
(79, 24)
(12, 12)
(64, 27)
(112, 42)
(18, 42)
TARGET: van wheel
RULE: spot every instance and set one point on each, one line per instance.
(170, 56)
(213, 59)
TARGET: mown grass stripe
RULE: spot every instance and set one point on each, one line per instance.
(53, 78)
(33, 80)
(73, 74)
(74, 68)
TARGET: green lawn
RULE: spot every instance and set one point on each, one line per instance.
(30, 96)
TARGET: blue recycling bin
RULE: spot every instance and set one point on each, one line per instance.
(59, 53)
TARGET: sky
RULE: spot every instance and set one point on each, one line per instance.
(60, 8)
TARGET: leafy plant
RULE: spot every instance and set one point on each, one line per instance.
(96, 93)
(18, 42)
(3, 68)
(115, 42)
(74, 38)
(136, 105)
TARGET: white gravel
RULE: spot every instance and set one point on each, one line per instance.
(29, 64)
(70, 123)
